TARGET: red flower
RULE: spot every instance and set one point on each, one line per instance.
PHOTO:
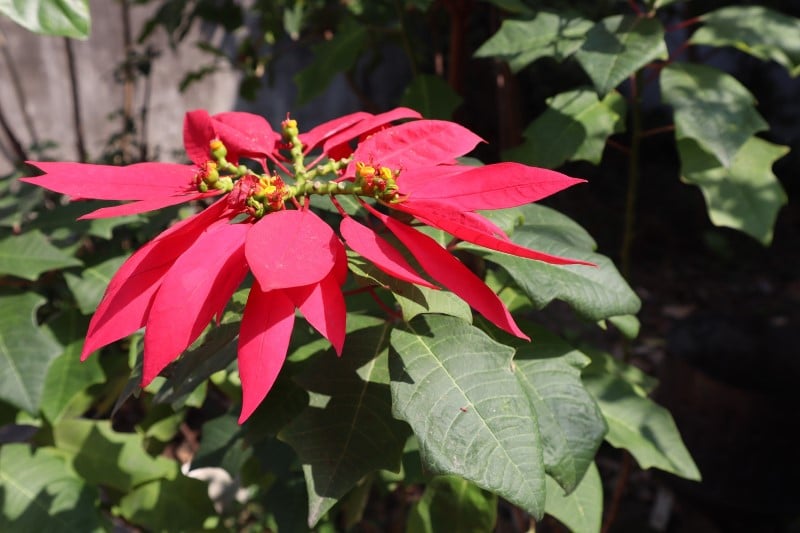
(177, 283)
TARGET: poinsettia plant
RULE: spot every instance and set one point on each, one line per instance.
(178, 282)
(289, 228)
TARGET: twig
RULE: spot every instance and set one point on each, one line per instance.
(659, 130)
(19, 152)
(77, 121)
(619, 491)
(128, 87)
(19, 92)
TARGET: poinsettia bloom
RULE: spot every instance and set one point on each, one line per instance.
(178, 282)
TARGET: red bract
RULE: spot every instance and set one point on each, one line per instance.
(176, 284)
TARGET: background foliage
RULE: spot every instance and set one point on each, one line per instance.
(431, 414)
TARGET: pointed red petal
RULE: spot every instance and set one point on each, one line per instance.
(495, 186)
(142, 181)
(463, 226)
(194, 289)
(142, 206)
(322, 304)
(365, 127)
(452, 273)
(318, 134)
(198, 131)
(383, 255)
(263, 341)
(413, 179)
(127, 299)
(245, 134)
(290, 249)
(421, 143)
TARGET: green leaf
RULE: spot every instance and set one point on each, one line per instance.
(28, 255)
(575, 126)
(755, 30)
(457, 389)
(451, 503)
(68, 377)
(711, 107)
(40, 493)
(89, 287)
(618, 46)
(179, 503)
(354, 433)
(432, 301)
(594, 292)
(636, 423)
(628, 325)
(222, 445)
(68, 18)
(570, 422)
(103, 456)
(432, 97)
(26, 351)
(330, 58)
(581, 510)
(745, 196)
(548, 34)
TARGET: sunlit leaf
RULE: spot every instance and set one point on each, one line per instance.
(711, 107)
(594, 292)
(755, 30)
(548, 34)
(618, 46)
(636, 423)
(745, 196)
(178, 503)
(41, 493)
(67, 378)
(106, 457)
(575, 126)
(26, 351)
(29, 254)
(88, 288)
(451, 503)
(582, 509)
(446, 375)
(68, 18)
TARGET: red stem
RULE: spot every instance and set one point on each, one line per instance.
(635, 8)
(685, 24)
(656, 131)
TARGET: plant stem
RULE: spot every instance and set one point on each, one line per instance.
(127, 87)
(77, 122)
(16, 146)
(619, 491)
(633, 175)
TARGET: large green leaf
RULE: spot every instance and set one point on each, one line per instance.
(330, 58)
(618, 46)
(103, 456)
(354, 433)
(458, 390)
(570, 422)
(68, 377)
(28, 255)
(26, 351)
(755, 30)
(451, 503)
(39, 492)
(711, 107)
(594, 292)
(178, 503)
(89, 287)
(575, 126)
(432, 97)
(548, 34)
(745, 196)
(582, 509)
(635, 422)
(222, 445)
(69, 18)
